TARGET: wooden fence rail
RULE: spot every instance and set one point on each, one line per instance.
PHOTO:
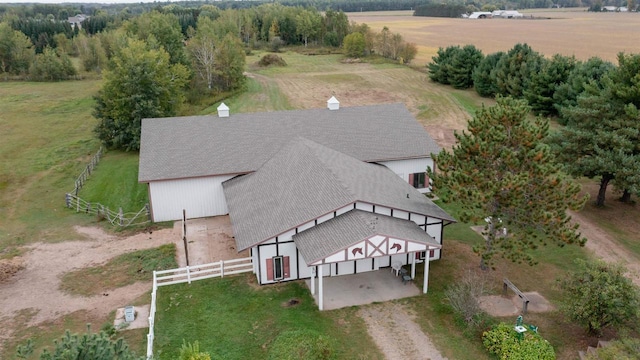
(187, 275)
(118, 218)
(87, 171)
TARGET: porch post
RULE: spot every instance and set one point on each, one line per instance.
(413, 266)
(313, 280)
(425, 285)
(320, 306)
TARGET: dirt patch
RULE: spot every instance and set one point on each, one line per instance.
(9, 268)
(392, 327)
(502, 306)
(36, 288)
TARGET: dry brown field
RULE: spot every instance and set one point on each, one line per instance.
(576, 32)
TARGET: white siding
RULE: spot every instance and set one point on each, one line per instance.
(200, 197)
(410, 166)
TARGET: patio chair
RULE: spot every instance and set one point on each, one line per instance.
(396, 266)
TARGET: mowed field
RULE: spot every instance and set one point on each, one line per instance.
(567, 32)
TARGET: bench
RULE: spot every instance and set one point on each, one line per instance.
(508, 284)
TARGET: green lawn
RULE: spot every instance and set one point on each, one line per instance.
(114, 183)
(235, 318)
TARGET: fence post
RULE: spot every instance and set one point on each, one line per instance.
(88, 208)
(221, 268)
(77, 204)
(67, 200)
(188, 275)
(120, 216)
(147, 211)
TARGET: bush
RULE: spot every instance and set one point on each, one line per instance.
(503, 342)
(272, 59)
(49, 66)
(354, 45)
(301, 344)
(623, 349)
(463, 297)
(190, 351)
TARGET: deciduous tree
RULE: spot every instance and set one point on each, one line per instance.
(598, 295)
(140, 83)
(501, 170)
(354, 45)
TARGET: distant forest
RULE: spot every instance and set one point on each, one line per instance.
(63, 11)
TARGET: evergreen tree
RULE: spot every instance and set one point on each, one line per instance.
(501, 171)
(590, 71)
(484, 79)
(543, 85)
(439, 67)
(515, 69)
(463, 63)
(140, 83)
(602, 136)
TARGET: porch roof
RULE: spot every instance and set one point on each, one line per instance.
(352, 227)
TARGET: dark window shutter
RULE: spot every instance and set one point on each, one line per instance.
(411, 179)
(286, 267)
(269, 269)
(431, 252)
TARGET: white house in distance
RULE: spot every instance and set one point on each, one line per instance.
(312, 193)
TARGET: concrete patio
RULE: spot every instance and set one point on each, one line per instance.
(364, 288)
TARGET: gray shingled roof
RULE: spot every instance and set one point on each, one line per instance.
(306, 180)
(184, 147)
(347, 229)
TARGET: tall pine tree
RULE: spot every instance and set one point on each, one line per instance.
(501, 170)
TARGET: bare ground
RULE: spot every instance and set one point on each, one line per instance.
(605, 247)
(392, 327)
(35, 289)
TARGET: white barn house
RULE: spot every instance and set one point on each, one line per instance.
(312, 193)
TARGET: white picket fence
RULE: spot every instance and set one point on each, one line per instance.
(187, 275)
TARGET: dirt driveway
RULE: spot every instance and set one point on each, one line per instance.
(35, 288)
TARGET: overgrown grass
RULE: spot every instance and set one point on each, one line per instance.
(114, 183)
(234, 318)
(46, 141)
(120, 271)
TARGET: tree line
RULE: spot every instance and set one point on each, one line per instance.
(595, 100)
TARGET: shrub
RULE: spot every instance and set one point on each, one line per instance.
(190, 351)
(463, 296)
(354, 45)
(301, 344)
(623, 349)
(503, 342)
(272, 59)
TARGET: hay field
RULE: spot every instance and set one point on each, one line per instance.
(568, 32)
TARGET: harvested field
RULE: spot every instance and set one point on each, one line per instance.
(576, 32)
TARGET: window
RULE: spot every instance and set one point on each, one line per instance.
(277, 268)
(421, 255)
(418, 180)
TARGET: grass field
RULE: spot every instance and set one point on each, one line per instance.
(573, 32)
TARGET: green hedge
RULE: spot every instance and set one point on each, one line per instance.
(503, 341)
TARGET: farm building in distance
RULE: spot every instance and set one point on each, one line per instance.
(312, 193)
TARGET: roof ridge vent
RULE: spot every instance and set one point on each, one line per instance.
(223, 110)
(333, 103)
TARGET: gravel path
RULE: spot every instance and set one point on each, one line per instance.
(396, 334)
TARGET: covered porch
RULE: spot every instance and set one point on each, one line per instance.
(362, 288)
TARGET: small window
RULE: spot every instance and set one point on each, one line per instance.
(418, 180)
(420, 255)
(278, 268)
